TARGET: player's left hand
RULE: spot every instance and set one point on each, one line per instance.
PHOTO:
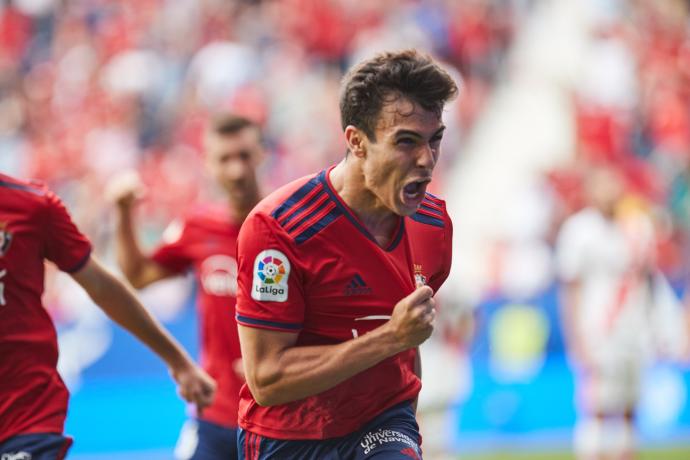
(194, 385)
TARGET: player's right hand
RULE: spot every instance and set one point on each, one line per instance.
(194, 385)
(125, 188)
(413, 317)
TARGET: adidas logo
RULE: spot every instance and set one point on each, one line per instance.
(357, 286)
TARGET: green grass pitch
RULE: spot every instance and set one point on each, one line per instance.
(660, 454)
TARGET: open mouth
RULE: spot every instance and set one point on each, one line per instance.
(415, 190)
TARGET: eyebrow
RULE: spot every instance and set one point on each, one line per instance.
(408, 132)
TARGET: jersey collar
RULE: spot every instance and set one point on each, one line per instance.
(347, 212)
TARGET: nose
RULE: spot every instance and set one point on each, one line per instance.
(427, 157)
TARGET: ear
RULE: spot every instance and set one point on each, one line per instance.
(356, 141)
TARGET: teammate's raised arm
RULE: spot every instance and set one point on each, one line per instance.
(124, 190)
(202, 240)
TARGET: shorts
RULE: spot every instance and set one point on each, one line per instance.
(203, 440)
(610, 388)
(35, 446)
(393, 435)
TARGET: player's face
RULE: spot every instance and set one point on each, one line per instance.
(399, 164)
(605, 189)
(232, 160)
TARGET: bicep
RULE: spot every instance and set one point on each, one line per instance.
(99, 282)
(260, 345)
(262, 349)
(94, 279)
(90, 276)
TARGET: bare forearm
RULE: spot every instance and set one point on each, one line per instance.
(139, 268)
(300, 372)
(130, 257)
(122, 306)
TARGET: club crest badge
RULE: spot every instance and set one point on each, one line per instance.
(5, 239)
(419, 278)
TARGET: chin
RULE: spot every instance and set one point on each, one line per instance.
(405, 210)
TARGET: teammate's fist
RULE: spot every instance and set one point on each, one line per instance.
(194, 385)
(125, 188)
(413, 317)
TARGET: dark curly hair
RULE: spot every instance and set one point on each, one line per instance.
(368, 86)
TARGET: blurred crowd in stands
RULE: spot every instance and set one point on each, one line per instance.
(632, 112)
(90, 87)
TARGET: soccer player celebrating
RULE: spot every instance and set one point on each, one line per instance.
(336, 277)
(205, 241)
(34, 225)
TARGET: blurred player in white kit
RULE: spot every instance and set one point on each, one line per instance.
(606, 262)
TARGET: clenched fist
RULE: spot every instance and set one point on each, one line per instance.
(412, 321)
(194, 385)
(125, 189)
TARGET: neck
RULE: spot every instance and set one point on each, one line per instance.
(348, 181)
(240, 208)
(608, 212)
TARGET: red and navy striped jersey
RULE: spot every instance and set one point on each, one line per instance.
(205, 241)
(308, 265)
(34, 226)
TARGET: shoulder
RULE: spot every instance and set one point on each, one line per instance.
(577, 230)
(29, 189)
(32, 196)
(583, 220)
(204, 214)
(289, 195)
(432, 212)
(295, 213)
(293, 207)
(192, 223)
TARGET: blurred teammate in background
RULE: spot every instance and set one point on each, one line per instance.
(336, 276)
(204, 240)
(34, 226)
(606, 260)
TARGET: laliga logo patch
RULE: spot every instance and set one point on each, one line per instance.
(271, 274)
(5, 239)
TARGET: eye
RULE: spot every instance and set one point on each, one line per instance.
(406, 141)
(436, 140)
